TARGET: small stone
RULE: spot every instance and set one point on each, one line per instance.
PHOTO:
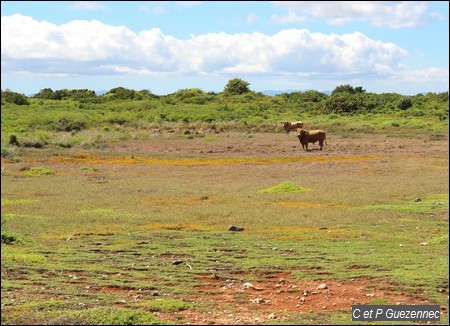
(249, 285)
(235, 228)
(258, 300)
(272, 316)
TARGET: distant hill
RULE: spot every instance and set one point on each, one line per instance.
(273, 92)
(265, 92)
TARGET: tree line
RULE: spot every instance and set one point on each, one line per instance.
(344, 99)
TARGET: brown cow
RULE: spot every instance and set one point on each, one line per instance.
(311, 136)
(289, 126)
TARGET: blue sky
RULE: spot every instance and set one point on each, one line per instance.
(164, 46)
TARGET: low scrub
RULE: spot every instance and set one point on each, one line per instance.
(285, 187)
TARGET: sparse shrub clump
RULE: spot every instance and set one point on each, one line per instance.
(37, 171)
(285, 187)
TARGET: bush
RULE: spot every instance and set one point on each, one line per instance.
(7, 237)
(70, 125)
(13, 140)
(13, 97)
(236, 86)
(6, 152)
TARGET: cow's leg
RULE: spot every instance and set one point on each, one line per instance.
(321, 144)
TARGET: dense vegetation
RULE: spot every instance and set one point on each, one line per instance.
(63, 117)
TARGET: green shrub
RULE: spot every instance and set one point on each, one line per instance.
(6, 152)
(285, 187)
(13, 140)
(38, 171)
(7, 237)
(15, 98)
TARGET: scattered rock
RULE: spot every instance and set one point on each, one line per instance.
(418, 199)
(272, 316)
(177, 262)
(322, 286)
(235, 228)
(258, 300)
(249, 285)
(424, 243)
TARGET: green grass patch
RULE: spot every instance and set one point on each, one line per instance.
(7, 202)
(439, 241)
(16, 255)
(89, 169)
(37, 172)
(90, 316)
(437, 203)
(285, 187)
(166, 305)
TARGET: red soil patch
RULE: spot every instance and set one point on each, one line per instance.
(279, 297)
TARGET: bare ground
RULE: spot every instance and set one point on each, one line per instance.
(276, 144)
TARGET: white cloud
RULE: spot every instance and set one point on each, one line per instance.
(88, 48)
(251, 18)
(159, 10)
(383, 14)
(425, 75)
(79, 40)
(289, 18)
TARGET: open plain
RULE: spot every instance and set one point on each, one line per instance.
(136, 231)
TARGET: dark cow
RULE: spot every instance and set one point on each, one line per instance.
(311, 136)
(289, 126)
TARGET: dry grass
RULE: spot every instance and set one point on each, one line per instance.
(128, 210)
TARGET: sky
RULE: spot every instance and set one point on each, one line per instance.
(166, 46)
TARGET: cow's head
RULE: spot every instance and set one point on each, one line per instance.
(301, 132)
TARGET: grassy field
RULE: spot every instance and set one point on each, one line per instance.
(136, 231)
